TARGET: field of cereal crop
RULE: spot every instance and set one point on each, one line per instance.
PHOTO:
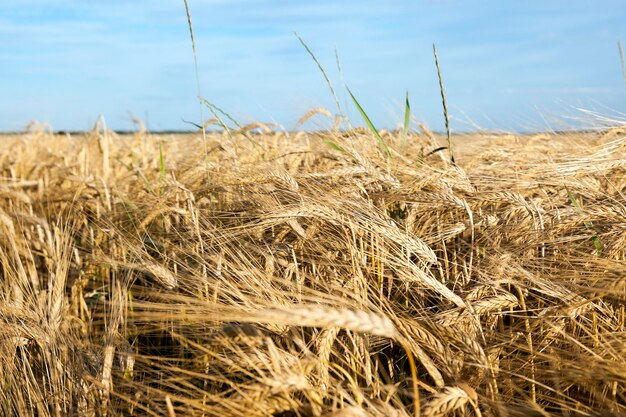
(312, 274)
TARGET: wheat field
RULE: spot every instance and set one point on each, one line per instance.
(306, 274)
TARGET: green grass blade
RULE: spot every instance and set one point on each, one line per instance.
(334, 146)
(446, 115)
(161, 162)
(215, 110)
(574, 200)
(407, 119)
(218, 109)
(219, 119)
(321, 68)
(597, 244)
(370, 125)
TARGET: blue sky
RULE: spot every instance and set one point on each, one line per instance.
(510, 65)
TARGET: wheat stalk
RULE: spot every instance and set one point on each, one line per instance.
(328, 317)
(445, 402)
(325, 343)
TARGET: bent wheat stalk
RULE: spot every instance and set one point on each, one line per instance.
(328, 317)
(448, 400)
